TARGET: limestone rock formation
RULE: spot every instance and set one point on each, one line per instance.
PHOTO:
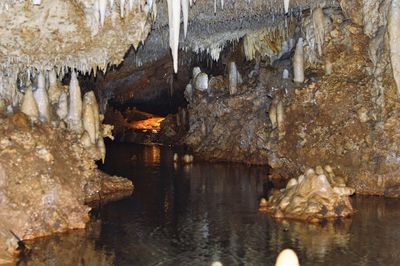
(59, 178)
(311, 197)
(29, 106)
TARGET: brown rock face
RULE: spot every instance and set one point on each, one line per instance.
(226, 127)
(46, 176)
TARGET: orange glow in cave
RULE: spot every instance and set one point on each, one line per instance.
(152, 123)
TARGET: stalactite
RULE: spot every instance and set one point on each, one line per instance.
(102, 10)
(185, 13)
(319, 29)
(174, 11)
(394, 40)
(298, 62)
(75, 105)
(42, 100)
(215, 6)
(286, 5)
(122, 8)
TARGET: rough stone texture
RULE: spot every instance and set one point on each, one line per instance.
(46, 177)
(333, 120)
(229, 128)
(311, 197)
(345, 114)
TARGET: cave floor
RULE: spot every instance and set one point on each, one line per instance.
(196, 214)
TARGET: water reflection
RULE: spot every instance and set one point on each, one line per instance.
(74, 248)
(196, 214)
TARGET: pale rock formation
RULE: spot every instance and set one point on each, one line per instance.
(311, 198)
(298, 62)
(102, 149)
(287, 257)
(42, 100)
(318, 18)
(234, 77)
(62, 108)
(280, 118)
(86, 140)
(201, 82)
(195, 72)
(54, 87)
(88, 119)
(272, 113)
(189, 93)
(29, 106)
(75, 105)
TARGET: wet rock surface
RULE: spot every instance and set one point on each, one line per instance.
(311, 197)
(46, 176)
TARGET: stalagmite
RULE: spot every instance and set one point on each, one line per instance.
(394, 40)
(185, 13)
(298, 62)
(102, 9)
(280, 117)
(272, 113)
(29, 106)
(233, 78)
(286, 5)
(195, 72)
(287, 257)
(88, 118)
(319, 29)
(188, 93)
(42, 100)
(201, 82)
(90, 98)
(285, 74)
(85, 140)
(174, 21)
(54, 87)
(75, 105)
(62, 109)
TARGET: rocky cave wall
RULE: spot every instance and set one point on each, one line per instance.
(343, 112)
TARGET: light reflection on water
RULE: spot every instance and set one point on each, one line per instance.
(196, 214)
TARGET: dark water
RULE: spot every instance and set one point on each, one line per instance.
(194, 215)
